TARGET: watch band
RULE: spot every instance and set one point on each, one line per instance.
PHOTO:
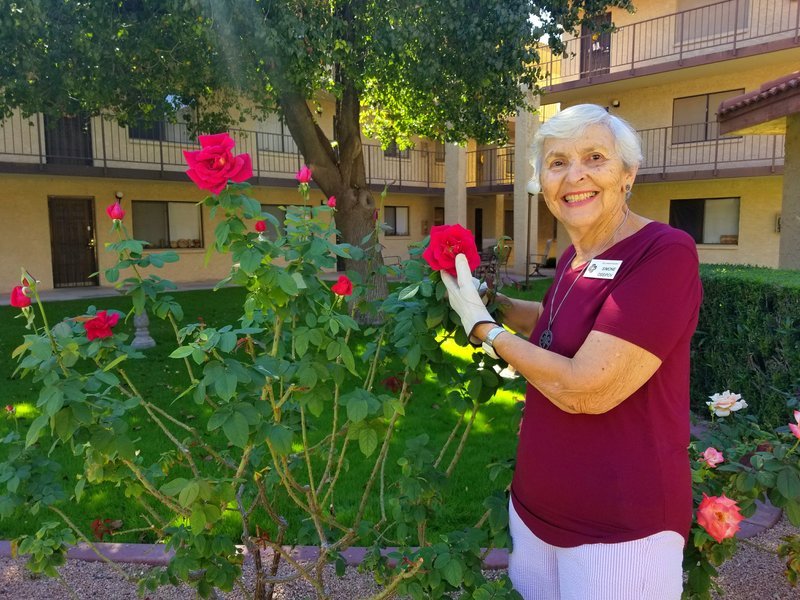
(488, 343)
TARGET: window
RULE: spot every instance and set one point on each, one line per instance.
(707, 220)
(397, 218)
(394, 152)
(706, 19)
(439, 152)
(168, 224)
(694, 118)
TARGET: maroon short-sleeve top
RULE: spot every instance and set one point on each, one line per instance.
(624, 474)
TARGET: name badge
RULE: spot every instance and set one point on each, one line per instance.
(602, 269)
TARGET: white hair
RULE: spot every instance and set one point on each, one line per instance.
(572, 122)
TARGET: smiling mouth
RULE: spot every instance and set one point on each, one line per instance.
(571, 198)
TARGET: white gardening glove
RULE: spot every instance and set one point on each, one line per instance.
(482, 288)
(465, 299)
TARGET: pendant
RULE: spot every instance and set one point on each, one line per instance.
(546, 339)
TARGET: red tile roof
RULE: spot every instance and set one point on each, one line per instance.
(786, 84)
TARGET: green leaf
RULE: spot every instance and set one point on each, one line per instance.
(182, 352)
(281, 439)
(347, 359)
(79, 489)
(188, 494)
(408, 292)
(367, 441)
(792, 510)
(217, 419)
(250, 260)
(174, 487)
(236, 429)
(198, 519)
(35, 430)
(357, 408)
(788, 483)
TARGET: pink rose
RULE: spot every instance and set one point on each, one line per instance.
(723, 404)
(18, 297)
(447, 242)
(10, 408)
(100, 326)
(343, 287)
(303, 175)
(795, 427)
(332, 201)
(712, 457)
(212, 166)
(719, 516)
(261, 226)
(115, 211)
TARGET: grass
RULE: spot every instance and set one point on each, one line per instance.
(160, 379)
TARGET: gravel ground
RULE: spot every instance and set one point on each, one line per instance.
(753, 574)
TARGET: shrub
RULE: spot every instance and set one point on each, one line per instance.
(748, 338)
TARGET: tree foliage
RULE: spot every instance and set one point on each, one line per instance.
(449, 70)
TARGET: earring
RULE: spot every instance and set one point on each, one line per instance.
(627, 187)
(627, 192)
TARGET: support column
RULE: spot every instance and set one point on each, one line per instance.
(526, 211)
(455, 185)
(789, 249)
(499, 216)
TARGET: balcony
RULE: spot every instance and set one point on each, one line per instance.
(698, 152)
(490, 170)
(100, 147)
(734, 28)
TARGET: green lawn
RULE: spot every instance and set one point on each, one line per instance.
(161, 379)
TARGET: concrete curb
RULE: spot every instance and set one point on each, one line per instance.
(765, 517)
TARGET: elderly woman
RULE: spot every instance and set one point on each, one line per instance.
(601, 501)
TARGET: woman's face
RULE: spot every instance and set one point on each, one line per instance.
(583, 179)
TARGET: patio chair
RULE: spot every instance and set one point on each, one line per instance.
(493, 261)
(536, 261)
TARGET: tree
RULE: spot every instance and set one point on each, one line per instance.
(448, 70)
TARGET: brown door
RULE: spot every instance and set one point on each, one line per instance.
(72, 242)
(68, 140)
(596, 47)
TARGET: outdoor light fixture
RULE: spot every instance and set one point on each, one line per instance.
(118, 195)
(615, 103)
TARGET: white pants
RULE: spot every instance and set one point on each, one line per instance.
(645, 569)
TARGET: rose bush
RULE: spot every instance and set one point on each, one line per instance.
(287, 398)
(734, 463)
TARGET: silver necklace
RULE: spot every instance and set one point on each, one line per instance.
(546, 339)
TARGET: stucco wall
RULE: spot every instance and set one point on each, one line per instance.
(25, 229)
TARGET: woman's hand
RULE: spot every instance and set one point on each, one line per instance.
(465, 299)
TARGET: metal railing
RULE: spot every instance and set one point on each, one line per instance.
(490, 167)
(104, 144)
(698, 147)
(724, 26)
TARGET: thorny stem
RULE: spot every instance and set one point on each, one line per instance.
(298, 568)
(165, 500)
(463, 441)
(449, 439)
(219, 458)
(49, 333)
(389, 591)
(68, 587)
(336, 474)
(373, 368)
(384, 449)
(89, 542)
(181, 448)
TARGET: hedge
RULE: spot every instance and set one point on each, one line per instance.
(748, 339)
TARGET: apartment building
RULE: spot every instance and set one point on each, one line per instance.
(666, 69)
(58, 177)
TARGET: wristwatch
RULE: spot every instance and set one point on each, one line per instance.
(488, 343)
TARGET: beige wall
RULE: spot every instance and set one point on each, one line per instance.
(25, 227)
(760, 203)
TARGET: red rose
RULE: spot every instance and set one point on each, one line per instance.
(719, 516)
(115, 211)
(100, 326)
(332, 201)
(447, 242)
(343, 287)
(10, 408)
(261, 226)
(212, 167)
(303, 175)
(18, 298)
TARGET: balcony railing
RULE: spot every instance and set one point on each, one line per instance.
(728, 26)
(490, 168)
(685, 149)
(75, 143)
